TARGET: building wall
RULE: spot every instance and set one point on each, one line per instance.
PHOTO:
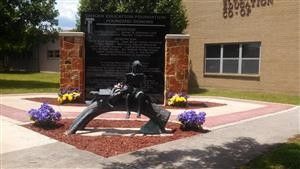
(49, 62)
(277, 28)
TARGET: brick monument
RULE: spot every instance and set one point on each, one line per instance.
(176, 64)
(72, 62)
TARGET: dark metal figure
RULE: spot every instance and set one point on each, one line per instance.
(134, 82)
(125, 97)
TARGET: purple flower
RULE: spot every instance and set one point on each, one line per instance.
(190, 119)
(44, 115)
(63, 91)
(170, 94)
(56, 116)
(33, 113)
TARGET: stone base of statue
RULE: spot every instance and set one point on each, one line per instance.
(151, 128)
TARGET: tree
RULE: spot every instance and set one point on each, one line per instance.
(172, 7)
(26, 23)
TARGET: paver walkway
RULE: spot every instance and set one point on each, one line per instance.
(15, 107)
(226, 146)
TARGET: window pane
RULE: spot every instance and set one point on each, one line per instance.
(57, 53)
(251, 50)
(49, 53)
(250, 66)
(230, 66)
(212, 66)
(231, 51)
(213, 51)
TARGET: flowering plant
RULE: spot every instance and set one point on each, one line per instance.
(45, 115)
(120, 85)
(179, 100)
(191, 120)
(68, 95)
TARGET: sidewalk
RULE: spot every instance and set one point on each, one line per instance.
(227, 146)
(234, 110)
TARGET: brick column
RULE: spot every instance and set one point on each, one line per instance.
(176, 64)
(72, 61)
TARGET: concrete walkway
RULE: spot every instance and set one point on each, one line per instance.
(15, 106)
(226, 146)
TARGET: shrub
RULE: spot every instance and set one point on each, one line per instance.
(191, 120)
(45, 115)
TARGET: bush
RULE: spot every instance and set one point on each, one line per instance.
(45, 116)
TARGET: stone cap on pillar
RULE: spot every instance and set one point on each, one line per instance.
(177, 36)
(71, 34)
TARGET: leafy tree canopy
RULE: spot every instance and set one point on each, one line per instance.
(25, 23)
(172, 7)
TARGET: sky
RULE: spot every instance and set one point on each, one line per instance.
(67, 13)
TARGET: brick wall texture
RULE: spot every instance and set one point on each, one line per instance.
(274, 23)
(72, 63)
(176, 66)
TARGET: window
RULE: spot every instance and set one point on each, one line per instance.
(213, 53)
(53, 54)
(234, 58)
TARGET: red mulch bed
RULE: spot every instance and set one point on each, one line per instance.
(107, 146)
(191, 104)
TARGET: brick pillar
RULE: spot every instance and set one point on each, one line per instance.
(72, 70)
(176, 64)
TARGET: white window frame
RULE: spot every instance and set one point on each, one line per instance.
(240, 59)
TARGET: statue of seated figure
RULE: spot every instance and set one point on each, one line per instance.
(134, 83)
(128, 97)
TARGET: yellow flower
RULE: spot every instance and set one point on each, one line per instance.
(177, 100)
(59, 100)
(75, 95)
(176, 95)
(70, 97)
(64, 97)
(171, 101)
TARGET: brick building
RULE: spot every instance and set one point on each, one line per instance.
(244, 44)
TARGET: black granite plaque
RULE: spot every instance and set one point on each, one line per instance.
(114, 41)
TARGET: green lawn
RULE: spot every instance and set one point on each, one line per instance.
(49, 82)
(269, 97)
(285, 156)
(29, 82)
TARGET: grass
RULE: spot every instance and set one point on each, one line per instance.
(49, 82)
(268, 97)
(285, 156)
(28, 83)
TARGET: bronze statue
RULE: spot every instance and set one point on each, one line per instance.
(134, 82)
(127, 96)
